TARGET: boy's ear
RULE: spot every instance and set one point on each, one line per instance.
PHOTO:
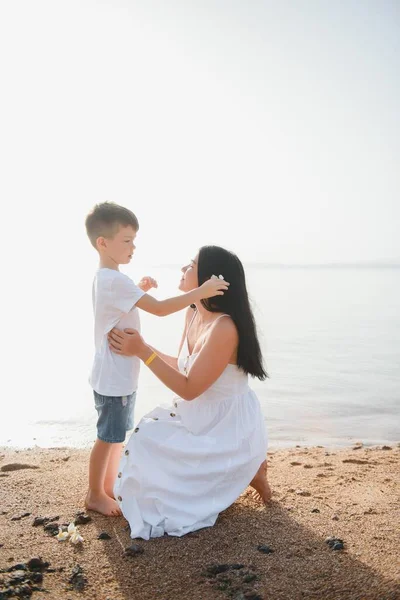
(101, 243)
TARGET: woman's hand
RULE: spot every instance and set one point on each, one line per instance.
(128, 342)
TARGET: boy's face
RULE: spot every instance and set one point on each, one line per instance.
(189, 280)
(121, 247)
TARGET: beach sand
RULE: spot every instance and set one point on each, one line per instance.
(351, 494)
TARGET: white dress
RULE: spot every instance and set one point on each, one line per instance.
(186, 462)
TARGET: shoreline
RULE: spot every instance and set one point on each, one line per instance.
(350, 493)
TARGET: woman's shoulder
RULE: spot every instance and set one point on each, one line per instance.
(225, 326)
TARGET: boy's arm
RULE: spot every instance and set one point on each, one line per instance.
(162, 308)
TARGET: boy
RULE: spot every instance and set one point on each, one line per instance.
(112, 230)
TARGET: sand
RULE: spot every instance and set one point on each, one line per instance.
(350, 494)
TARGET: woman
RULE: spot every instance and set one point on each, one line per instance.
(186, 463)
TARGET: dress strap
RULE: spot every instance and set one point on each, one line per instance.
(220, 317)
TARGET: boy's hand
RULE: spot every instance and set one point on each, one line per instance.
(146, 283)
(213, 287)
(128, 342)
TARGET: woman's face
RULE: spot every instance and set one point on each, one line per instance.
(189, 280)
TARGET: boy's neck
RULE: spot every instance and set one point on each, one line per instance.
(108, 263)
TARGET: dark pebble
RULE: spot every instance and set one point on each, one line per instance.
(17, 577)
(40, 521)
(36, 577)
(386, 448)
(19, 517)
(335, 543)
(17, 567)
(315, 510)
(250, 577)
(104, 536)
(338, 546)
(82, 518)
(213, 570)
(133, 550)
(77, 579)
(51, 528)
(264, 549)
(37, 564)
(25, 591)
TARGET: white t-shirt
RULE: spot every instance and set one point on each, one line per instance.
(114, 299)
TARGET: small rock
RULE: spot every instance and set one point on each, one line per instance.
(40, 521)
(295, 463)
(66, 458)
(213, 570)
(36, 576)
(133, 550)
(386, 448)
(17, 567)
(265, 549)
(51, 528)
(19, 517)
(77, 580)
(303, 493)
(104, 536)
(315, 510)
(37, 564)
(335, 543)
(335, 518)
(338, 546)
(82, 518)
(17, 577)
(25, 591)
(249, 578)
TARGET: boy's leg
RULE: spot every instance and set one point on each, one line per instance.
(123, 422)
(96, 498)
(112, 469)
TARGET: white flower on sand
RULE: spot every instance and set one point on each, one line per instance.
(76, 537)
(62, 536)
(72, 533)
(72, 528)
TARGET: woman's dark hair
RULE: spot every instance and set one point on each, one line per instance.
(213, 260)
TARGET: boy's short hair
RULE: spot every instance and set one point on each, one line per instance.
(106, 218)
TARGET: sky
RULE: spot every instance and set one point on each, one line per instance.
(270, 128)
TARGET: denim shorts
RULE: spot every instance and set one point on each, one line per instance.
(115, 416)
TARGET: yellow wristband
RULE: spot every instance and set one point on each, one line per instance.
(150, 359)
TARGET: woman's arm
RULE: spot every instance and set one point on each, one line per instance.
(173, 360)
(210, 363)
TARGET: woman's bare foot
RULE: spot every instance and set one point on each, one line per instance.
(102, 504)
(260, 484)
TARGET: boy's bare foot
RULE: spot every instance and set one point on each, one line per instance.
(260, 484)
(102, 504)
